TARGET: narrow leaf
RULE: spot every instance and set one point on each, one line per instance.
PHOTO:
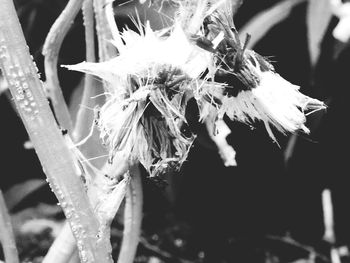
(261, 23)
(319, 14)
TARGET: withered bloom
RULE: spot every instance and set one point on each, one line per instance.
(150, 82)
(251, 90)
(200, 56)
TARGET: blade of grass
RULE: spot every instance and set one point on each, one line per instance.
(318, 16)
(261, 23)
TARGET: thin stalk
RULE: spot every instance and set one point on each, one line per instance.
(85, 116)
(51, 50)
(7, 237)
(132, 217)
(56, 158)
(104, 32)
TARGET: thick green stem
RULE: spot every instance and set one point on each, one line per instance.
(132, 217)
(7, 237)
(51, 50)
(56, 158)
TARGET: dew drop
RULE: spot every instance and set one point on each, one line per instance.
(19, 97)
(3, 57)
(27, 109)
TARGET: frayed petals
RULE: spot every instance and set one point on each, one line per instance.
(200, 56)
(275, 101)
(145, 101)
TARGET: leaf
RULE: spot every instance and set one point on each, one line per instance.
(318, 16)
(261, 23)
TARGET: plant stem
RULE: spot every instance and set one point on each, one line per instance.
(56, 158)
(6, 234)
(132, 217)
(51, 50)
(104, 33)
(64, 246)
(84, 116)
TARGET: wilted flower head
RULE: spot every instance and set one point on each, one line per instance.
(200, 56)
(150, 82)
(252, 90)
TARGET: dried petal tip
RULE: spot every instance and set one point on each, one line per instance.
(274, 101)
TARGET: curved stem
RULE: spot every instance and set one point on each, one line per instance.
(51, 50)
(104, 31)
(6, 234)
(92, 88)
(132, 217)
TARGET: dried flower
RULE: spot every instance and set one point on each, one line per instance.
(150, 83)
(200, 56)
(250, 89)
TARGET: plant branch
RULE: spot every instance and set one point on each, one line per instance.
(260, 24)
(51, 50)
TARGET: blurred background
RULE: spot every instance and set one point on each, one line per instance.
(266, 209)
